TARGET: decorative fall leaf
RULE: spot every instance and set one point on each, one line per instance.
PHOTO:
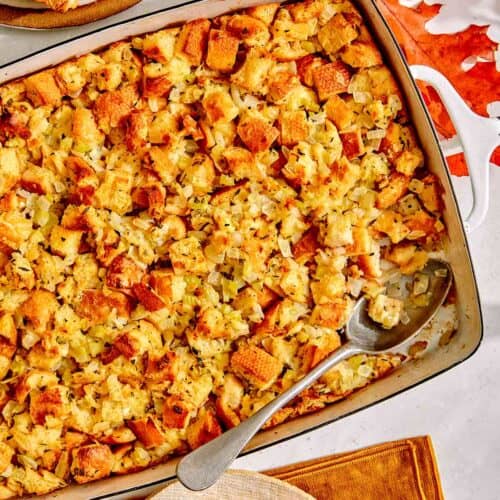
(478, 86)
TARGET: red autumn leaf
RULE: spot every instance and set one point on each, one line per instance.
(478, 86)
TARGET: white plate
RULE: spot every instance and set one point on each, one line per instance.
(30, 4)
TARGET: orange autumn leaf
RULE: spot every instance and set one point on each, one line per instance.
(477, 86)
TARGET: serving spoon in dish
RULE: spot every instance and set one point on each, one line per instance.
(202, 467)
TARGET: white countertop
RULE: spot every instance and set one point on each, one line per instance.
(460, 409)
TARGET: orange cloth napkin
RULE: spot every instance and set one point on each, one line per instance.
(399, 470)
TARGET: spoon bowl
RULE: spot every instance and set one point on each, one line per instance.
(202, 467)
(372, 338)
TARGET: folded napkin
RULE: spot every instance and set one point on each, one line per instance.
(404, 469)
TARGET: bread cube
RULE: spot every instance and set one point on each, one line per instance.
(228, 401)
(192, 41)
(160, 45)
(256, 133)
(408, 161)
(147, 431)
(331, 79)
(294, 127)
(396, 188)
(256, 366)
(42, 89)
(176, 412)
(205, 428)
(339, 112)
(186, 255)
(265, 12)
(91, 462)
(385, 310)
(10, 168)
(331, 315)
(123, 272)
(253, 73)
(252, 31)
(391, 223)
(339, 31)
(65, 243)
(112, 107)
(219, 107)
(222, 50)
(361, 55)
(352, 144)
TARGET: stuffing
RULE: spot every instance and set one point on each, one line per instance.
(186, 220)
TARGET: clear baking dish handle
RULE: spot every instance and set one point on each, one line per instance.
(479, 137)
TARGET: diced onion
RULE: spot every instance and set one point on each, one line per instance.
(355, 286)
(404, 318)
(361, 97)
(378, 133)
(285, 248)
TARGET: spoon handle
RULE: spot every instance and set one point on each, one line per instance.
(203, 466)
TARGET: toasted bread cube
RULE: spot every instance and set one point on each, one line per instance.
(161, 163)
(339, 31)
(147, 431)
(385, 310)
(256, 366)
(339, 231)
(257, 134)
(304, 249)
(49, 401)
(161, 368)
(6, 454)
(249, 29)
(192, 41)
(38, 180)
(361, 55)
(408, 161)
(306, 66)
(253, 73)
(163, 128)
(382, 81)
(112, 107)
(176, 412)
(391, 223)
(42, 89)
(305, 11)
(186, 255)
(65, 242)
(210, 324)
(156, 87)
(10, 168)
(160, 45)
(200, 173)
(161, 281)
(40, 308)
(362, 242)
(313, 354)
(8, 336)
(352, 144)
(96, 305)
(84, 129)
(331, 315)
(331, 79)
(123, 272)
(370, 264)
(269, 325)
(241, 163)
(219, 107)
(228, 400)
(281, 84)
(205, 428)
(407, 257)
(147, 297)
(71, 78)
(294, 127)
(151, 197)
(430, 194)
(222, 50)
(110, 76)
(396, 188)
(339, 112)
(421, 225)
(114, 192)
(264, 13)
(328, 288)
(136, 129)
(91, 462)
(266, 297)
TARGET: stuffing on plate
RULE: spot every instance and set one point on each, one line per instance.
(186, 220)
(60, 5)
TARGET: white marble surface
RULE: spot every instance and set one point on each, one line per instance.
(459, 409)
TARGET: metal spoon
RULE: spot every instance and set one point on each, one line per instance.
(202, 467)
